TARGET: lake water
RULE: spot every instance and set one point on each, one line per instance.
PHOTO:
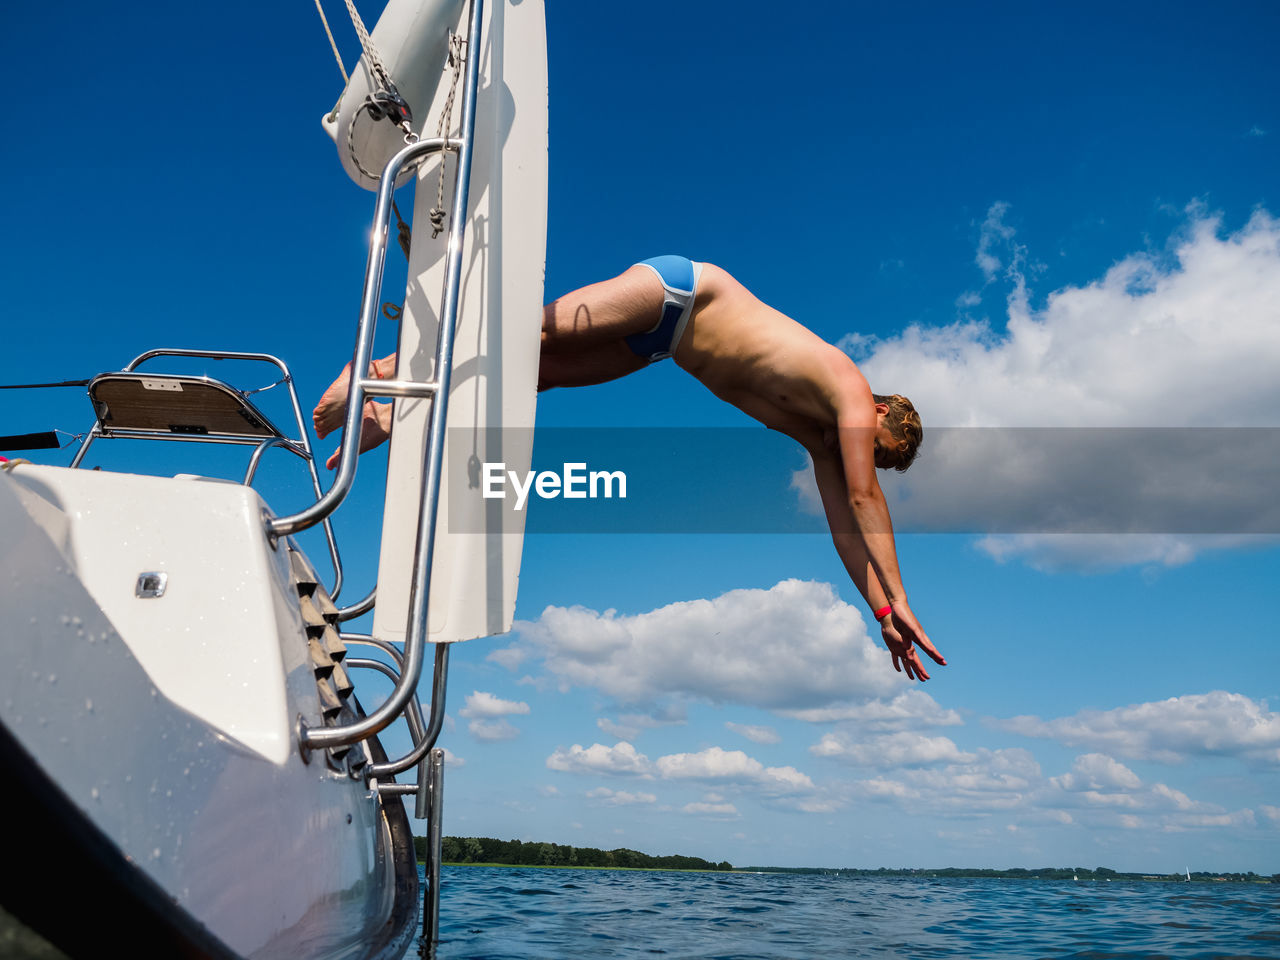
(492, 913)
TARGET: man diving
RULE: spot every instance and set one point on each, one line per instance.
(765, 364)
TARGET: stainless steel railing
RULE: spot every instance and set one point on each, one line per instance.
(361, 387)
(301, 446)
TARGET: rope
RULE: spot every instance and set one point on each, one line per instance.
(332, 43)
(10, 464)
(346, 80)
(456, 58)
(370, 52)
(249, 393)
(351, 137)
(381, 79)
(403, 233)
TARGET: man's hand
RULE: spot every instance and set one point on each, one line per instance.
(902, 634)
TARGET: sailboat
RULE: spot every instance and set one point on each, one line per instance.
(181, 711)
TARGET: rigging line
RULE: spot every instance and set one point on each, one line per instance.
(455, 59)
(370, 51)
(66, 433)
(31, 386)
(249, 393)
(332, 43)
(346, 80)
(403, 232)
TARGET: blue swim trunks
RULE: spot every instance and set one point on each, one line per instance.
(679, 277)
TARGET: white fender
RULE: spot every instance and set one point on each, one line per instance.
(412, 41)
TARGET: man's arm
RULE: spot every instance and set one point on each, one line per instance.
(851, 544)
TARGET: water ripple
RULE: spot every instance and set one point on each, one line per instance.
(492, 913)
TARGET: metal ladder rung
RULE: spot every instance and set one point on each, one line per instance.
(399, 388)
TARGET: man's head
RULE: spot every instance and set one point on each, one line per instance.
(899, 433)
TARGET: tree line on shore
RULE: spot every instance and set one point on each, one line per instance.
(1016, 873)
(518, 853)
(534, 854)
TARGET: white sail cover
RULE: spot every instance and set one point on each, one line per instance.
(410, 39)
(495, 368)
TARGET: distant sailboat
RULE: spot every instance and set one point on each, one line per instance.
(1188, 869)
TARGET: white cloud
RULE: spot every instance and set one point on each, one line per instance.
(903, 749)
(1161, 340)
(619, 798)
(713, 811)
(509, 657)
(1097, 771)
(985, 782)
(621, 731)
(819, 804)
(1236, 818)
(1096, 553)
(754, 733)
(631, 725)
(1168, 731)
(1097, 793)
(796, 645)
(452, 760)
(732, 766)
(620, 759)
(713, 765)
(1145, 345)
(492, 730)
(485, 706)
(910, 709)
(1270, 812)
(995, 239)
(993, 777)
(805, 485)
(882, 789)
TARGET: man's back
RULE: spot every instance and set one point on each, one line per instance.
(766, 364)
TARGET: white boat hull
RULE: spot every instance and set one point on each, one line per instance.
(167, 722)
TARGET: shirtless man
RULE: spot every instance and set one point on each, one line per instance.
(762, 362)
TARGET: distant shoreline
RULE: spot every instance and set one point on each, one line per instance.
(569, 866)
(950, 873)
(491, 852)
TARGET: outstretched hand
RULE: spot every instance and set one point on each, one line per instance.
(904, 637)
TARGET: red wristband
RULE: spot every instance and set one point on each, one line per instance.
(883, 611)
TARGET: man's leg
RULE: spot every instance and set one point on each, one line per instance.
(582, 343)
(590, 365)
(602, 313)
(332, 408)
(584, 332)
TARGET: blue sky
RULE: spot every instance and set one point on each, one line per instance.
(1060, 216)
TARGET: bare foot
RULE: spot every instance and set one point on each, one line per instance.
(332, 408)
(375, 427)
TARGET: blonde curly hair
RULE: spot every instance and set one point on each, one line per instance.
(905, 427)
